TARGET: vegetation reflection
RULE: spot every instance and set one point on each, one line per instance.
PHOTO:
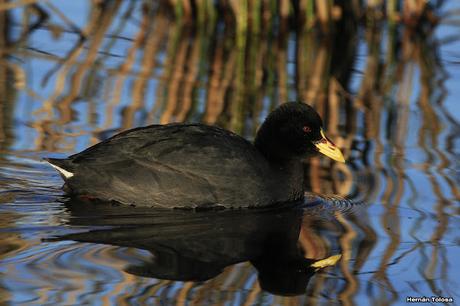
(365, 68)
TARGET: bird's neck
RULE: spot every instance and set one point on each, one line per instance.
(289, 177)
(287, 168)
(271, 147)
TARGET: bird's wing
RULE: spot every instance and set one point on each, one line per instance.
(171, 164)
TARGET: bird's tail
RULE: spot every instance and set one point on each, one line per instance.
(63, 166)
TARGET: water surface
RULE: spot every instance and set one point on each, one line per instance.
(389, 98)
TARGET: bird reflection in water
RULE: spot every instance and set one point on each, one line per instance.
(197, 246)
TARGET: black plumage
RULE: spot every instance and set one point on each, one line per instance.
(196, 165)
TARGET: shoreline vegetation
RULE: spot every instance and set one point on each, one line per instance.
(255, 15)
(229, 63)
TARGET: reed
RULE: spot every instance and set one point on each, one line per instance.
(255, 15)
(241, 61)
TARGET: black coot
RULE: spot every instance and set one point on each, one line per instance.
(197, 166)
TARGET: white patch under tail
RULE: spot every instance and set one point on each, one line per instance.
(63, 172)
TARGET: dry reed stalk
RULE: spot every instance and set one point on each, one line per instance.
(229, 74)
(64, 18)
(122, 73)
(316, 77)
(315, 175)
(177, 6)
(302, 12)
(175, 81)
(220, 83)
(429, 136)
(152, 291)
(371, 75)
(66, 66)
(393, 231)
(339, 187)
(190, 80)
(236, 108)
(100, 20)
(182, 297)
(323, 11)
(281, 66)
(302, 55)
(367, 244)
(214, 99)
(334, 111)
(312, 244)
(240, 13)
(187, 9)
(260, 54)
(253, 295)
(391, 198)
(346, 242)
(315, 288)
(212, 284)
(431, 107)
(174, 36)
(255, 8)
(284, 14)
(199, 294)
(391, 11)
(6, 5)
(409, 9)
(239, 276)
(151, 41)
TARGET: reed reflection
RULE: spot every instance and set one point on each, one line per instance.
(380, 88)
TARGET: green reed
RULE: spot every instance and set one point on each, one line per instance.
(259, 14)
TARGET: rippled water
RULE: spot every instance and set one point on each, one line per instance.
(390, 101)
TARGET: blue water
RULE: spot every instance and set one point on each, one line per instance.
(400, 138)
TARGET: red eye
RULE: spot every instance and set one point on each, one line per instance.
(306, 129)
